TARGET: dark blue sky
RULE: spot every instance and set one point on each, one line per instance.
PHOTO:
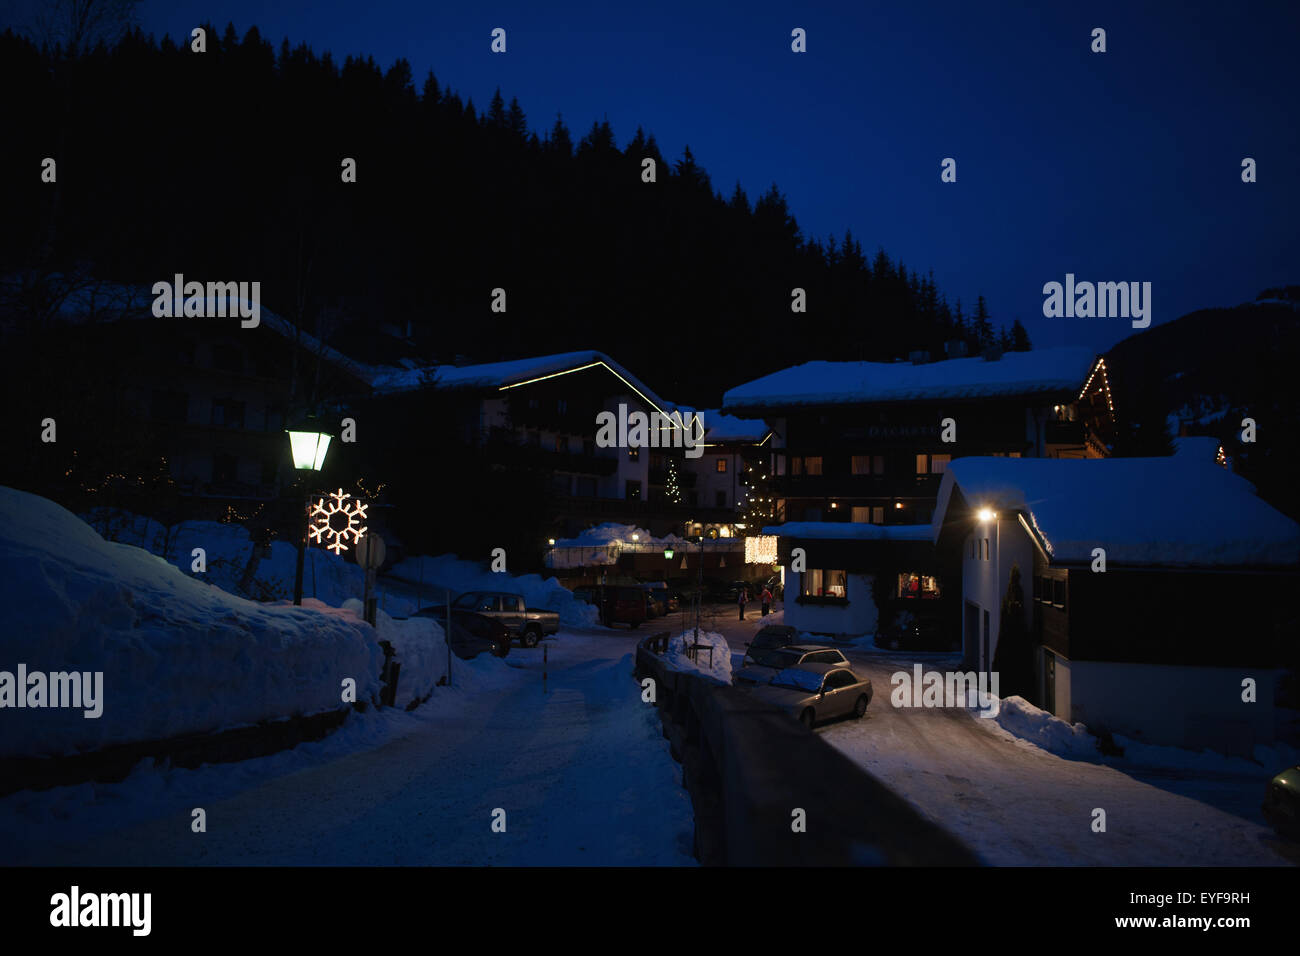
(1123, 166)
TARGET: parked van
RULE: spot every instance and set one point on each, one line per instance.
(621, 604)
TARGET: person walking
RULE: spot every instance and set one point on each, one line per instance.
(741, 599)
(767, 600)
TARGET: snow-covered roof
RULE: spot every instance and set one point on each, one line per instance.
(851, 530)
(1198, 446)
(1042, 371)
(720, 427)
(507, 374)
(87, 300)
(1167, 512)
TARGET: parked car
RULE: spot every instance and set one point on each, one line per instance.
(770, 637)
(766, 663)
(918, 634)
(815, 692)
(653, 608)
(665, 600)
(528, 626)
(621, 604)
(470, 634)
(1282, 803)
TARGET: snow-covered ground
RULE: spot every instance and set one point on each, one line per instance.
(582, 772)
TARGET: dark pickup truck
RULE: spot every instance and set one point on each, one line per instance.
(527, 626)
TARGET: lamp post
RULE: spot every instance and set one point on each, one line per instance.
(308, 445)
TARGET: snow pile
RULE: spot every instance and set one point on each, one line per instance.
(418, 645)
(1017, 716)
(437, 576)
(177, 655)
(1271, 758)
(605, 534)
(602, 544)
(229, 552)
(718, 666)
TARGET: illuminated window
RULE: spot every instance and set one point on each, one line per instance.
(861, 464)
(720, 465)
(812, 465)
(918, 586)
(862, 514)
(819, 583)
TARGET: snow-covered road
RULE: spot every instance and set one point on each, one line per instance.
(582, 772)
(1017, 804)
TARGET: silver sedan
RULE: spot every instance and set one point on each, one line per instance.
(814, 692)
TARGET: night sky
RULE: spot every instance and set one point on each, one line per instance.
(1122, 166)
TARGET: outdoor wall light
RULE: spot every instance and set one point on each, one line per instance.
(986, 515)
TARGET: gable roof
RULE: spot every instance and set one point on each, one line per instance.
(1057, 371)
(1154, 512)
(509, 374)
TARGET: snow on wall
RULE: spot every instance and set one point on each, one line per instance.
(448, 573)
(717, 666)
(177, 655)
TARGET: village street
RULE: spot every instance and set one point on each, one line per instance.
(581, 771)
(584, 776)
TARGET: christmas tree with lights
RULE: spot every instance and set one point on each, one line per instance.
(672, 488)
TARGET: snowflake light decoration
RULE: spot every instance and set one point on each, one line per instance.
(331, 533)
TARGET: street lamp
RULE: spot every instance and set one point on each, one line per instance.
(307, 445)
(986, 515)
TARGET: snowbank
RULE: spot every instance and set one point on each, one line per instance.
(1017, 716)
(449, 573)
(721, 661)
(418, 645)
(229, 552)
(178, 655)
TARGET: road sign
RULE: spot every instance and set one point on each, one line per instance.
(371, 551)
